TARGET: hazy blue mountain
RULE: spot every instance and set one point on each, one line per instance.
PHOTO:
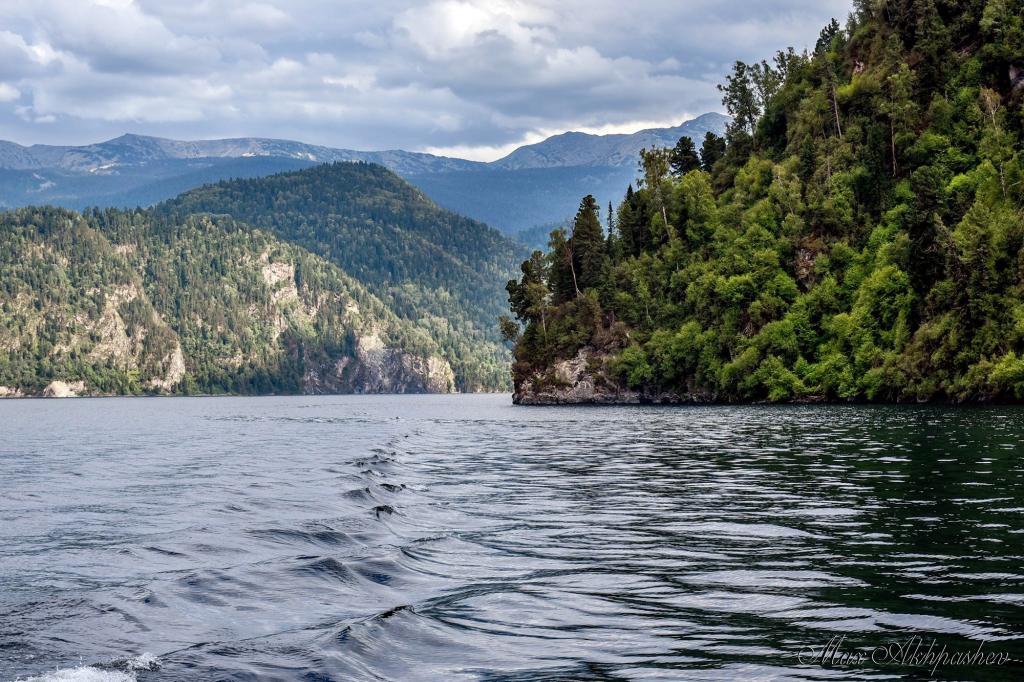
(538, 184)
(119, 155)
(516, 200)
(140, 185)
(583, 149)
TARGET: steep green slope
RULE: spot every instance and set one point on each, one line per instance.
(128, 302)
(862, 238)
(432, 267)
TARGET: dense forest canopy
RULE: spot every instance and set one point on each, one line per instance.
(127, 302)
(435, 268)
(857, 235)
(339, 278)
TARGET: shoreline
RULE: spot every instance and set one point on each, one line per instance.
(233, 395)
(824, 402)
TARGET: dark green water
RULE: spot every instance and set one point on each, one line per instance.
(458, 537)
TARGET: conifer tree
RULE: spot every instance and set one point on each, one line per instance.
(711, 151)
(684, 157)
(629, 223)
(590, 253)
(740, 100)
(562, 268)
(529, 296)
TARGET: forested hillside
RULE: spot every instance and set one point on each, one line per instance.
(860, 239)
(128, 302)
(442, 272)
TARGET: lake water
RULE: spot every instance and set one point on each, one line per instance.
(462, 538)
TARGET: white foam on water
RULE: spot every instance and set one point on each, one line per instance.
(86, 673)
(83, 674)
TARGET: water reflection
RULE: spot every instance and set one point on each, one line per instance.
(461, 538)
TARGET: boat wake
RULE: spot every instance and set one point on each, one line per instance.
(120, 670)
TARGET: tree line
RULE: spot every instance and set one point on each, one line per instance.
(857, 234)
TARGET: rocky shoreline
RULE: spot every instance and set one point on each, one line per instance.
(374, 368)
(584, 380)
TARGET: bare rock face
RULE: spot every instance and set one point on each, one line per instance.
(63, 389)
(585, 380)
(388, 370)
(440, 376)
(9, 392)
(580, 380)
(379, 368)
(175, 371)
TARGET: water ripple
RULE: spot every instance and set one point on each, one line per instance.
(459, 538)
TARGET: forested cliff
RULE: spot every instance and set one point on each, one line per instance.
(858, 238)
(335, 279)
(438, 270)
(120, 302)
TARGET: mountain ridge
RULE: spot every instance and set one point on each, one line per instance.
(537, 184)
(122, 302)
(614, 149)
(436, 269)
(94, 156)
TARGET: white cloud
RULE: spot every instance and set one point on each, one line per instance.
(116, 36)
(448, 26)
(465, 77)
(492, 152)
(259, 15)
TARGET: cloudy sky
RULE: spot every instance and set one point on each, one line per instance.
(470, 78)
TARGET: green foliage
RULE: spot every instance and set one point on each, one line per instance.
(130, 302)
(860, 237)
(436, 269)
(740, 99)
(684, 157)
(341, 252)
(590, 252)
(712, 150)
(632, 364)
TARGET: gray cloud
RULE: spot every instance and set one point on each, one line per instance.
(471, 76)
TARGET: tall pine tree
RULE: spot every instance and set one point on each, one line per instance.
(684, 157)
(711, 151)
(590, 252)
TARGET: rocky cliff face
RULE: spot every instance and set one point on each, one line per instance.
(391, 370)
(203, 309)
(374, 366)
(378, 368)
(581, 380)
(586, 380)
(63, 389)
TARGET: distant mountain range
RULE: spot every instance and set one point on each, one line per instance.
(113, 157)
(585, 150)
(537, 184)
